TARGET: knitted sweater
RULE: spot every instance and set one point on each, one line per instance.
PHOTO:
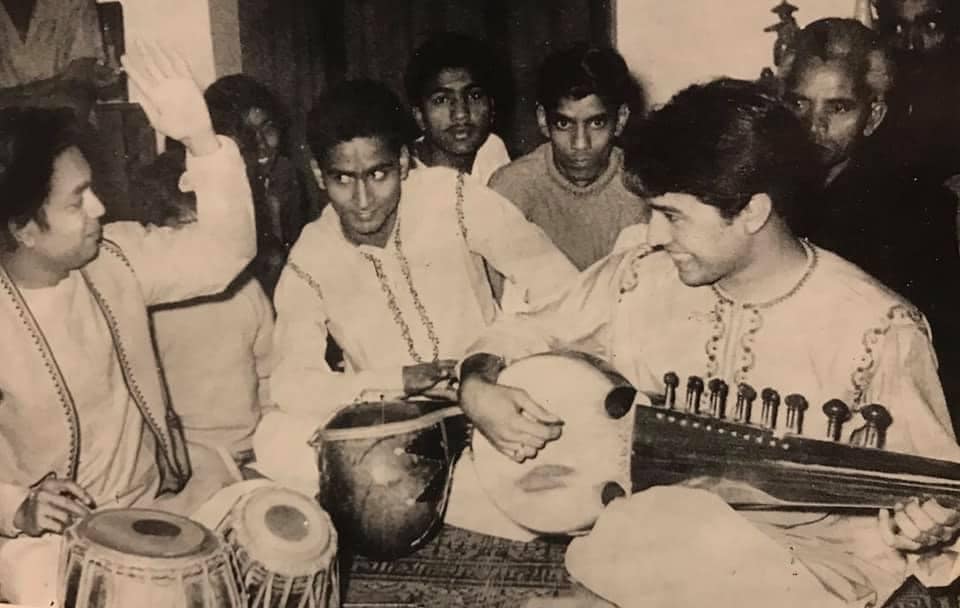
(583, 222)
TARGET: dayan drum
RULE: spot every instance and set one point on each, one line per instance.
(385, 471)
(286, 550)
(137, 557)
(561, 491)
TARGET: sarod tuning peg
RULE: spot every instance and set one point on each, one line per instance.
(770, 403)
(745, 397)
(694, 393)
(878, 421)
(796, 406)
(670, 381)
(718, 397)
(837, 413)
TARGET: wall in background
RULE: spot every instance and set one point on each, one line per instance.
(672, 44)
(206, 32)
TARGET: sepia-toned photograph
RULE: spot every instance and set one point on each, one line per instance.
(480, 303)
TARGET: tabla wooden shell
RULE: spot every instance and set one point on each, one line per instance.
(385, 471)
(560, 491)
(136, 557)
(286, 550)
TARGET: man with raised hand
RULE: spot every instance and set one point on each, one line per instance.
(84, 419)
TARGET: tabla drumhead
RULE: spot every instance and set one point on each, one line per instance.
(285, 531)
(559, 491)
(147, 533)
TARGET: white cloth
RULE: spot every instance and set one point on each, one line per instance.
(834, 333)
(700, 553)
(491, 155)
(116, 456)
(217, 386)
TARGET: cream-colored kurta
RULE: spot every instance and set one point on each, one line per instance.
(329, 286)
(836, 334)
(116, 456)
(491, 155)
(215, 354)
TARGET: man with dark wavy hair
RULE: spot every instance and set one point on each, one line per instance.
(725, 290)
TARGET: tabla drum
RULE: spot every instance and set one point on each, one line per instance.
(385, 471)
(561, 490)
(136, 557)
(286, 550)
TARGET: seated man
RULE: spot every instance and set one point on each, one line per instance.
(84, 421)
(729, 292)
(571, 186)
(217, 387)
(453, 85)
(896, 226)
(396, 278)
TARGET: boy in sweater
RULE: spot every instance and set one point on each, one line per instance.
(572, 186)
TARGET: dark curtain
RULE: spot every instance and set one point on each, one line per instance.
(299, 47)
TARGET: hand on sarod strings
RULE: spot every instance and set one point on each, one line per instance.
(433, 379)
(170, 97)
(509, 418)
(919, 524)
(51, 506)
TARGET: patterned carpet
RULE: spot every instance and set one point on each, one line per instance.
(460, 568)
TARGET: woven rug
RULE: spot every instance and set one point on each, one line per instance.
(460, 568)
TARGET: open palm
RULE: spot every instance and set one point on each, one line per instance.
(170, 97)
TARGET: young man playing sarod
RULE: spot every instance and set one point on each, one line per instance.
(725, 290)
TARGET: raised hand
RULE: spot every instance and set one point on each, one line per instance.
(171, 98)
(919, 525)
(51, 506)
(513, 422)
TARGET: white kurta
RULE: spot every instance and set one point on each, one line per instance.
(215, 354)
(836, 334)
(491, 155)
(116, 456)
(329, 286)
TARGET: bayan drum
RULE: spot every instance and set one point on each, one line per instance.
(561, 490)
(286, 550)
(385, 471)
(136, 557)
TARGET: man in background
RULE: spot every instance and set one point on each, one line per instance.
(453, 84)
(572, 186)
(51, 54)
(922, 133)
(895, 225)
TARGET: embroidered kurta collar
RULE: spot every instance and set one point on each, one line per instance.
(811, 264)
